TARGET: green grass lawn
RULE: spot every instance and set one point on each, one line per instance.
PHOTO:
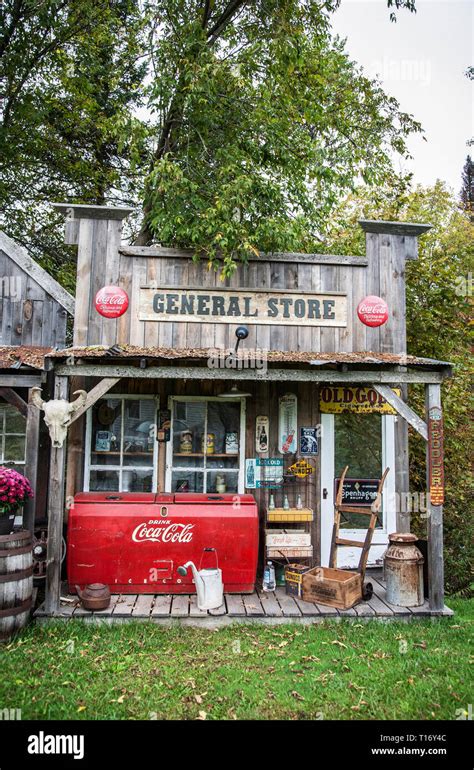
(333, 670)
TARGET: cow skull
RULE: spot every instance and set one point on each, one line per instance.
(58, 413)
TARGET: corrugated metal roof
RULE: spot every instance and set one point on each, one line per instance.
(313, 358)
(15, 356)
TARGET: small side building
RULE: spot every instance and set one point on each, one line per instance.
(34, 309)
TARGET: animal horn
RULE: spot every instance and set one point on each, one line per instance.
(80, 400)
(36, 398)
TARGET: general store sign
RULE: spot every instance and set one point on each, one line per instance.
(334, 400)
(242, 306)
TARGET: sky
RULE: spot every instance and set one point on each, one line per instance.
(421, 60)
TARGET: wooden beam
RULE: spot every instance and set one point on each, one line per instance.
(31, 461)
(20, 380)
(403, 409)
(14, 400)
(281, 256)
(435, 518)
(368, 376)
(97, 392)
(55, 514)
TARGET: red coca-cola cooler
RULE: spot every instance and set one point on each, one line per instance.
(135, 542)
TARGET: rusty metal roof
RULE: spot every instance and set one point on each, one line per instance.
(276, 356)
(16, 356)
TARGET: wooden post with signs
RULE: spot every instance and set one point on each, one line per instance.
(435, 497)
(55, 514)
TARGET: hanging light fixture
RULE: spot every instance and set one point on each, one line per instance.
(241, 333)
(234, 392)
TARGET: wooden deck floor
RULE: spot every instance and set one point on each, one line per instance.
(261, 607)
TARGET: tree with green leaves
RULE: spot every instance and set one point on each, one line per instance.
(467, 190)
(71, 76)
(262, 121)
(256, 120)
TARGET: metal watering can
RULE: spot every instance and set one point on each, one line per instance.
(209, 585)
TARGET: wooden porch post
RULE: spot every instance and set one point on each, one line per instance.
(435, 512)
(55, 514)
(31, 460)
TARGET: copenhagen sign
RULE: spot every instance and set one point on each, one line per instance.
(242, 306)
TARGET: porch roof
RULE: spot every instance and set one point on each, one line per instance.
(192, 363)
(273, 356)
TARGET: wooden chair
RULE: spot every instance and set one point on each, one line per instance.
(369, 510)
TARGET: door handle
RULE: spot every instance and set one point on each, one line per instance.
(325, 494)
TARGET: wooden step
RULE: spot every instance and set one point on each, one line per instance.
(355, 543)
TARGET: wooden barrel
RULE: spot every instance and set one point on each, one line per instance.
(16, 581)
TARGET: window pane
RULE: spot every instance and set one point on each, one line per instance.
(188, 430)
(14, 421)
(358, 444)
(187, 481)
(105, 481)
(223, 422)
(137, 480)
(222, 483)
(106, 432)
(14, 448)
(139, 432)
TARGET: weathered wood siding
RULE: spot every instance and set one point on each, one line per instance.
(101, 261)
(28, 314)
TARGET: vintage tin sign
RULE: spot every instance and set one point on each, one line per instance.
(287, 424)
(309, 441)
(357, 491)
(373, 311)
(262, 429)
(301, 469)
(334, 400)
(264, 472)
(435, 456)
(111, 301)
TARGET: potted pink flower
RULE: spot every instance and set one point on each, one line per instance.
(15, 489)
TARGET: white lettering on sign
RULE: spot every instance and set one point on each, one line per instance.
(170, 533)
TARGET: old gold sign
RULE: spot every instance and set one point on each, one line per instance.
(242, 306)
(335, 399)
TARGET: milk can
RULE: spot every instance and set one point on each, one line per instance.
(403, 568)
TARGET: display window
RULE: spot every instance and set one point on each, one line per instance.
(121, 449)
(206, 451)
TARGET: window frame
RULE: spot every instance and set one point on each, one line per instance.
(88, 466)
(239, 470)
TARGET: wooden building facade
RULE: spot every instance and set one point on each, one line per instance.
(163, 379)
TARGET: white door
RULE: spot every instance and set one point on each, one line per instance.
(366, 443)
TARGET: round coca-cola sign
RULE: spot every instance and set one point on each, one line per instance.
(111, 301)
(373, 311)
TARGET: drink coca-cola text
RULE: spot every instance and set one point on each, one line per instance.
(168, 533)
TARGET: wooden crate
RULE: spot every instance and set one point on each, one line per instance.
(287, 538)
(304, 552)
(293, 514)
(334, 587)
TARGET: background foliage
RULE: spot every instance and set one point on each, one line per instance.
(439, 312)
